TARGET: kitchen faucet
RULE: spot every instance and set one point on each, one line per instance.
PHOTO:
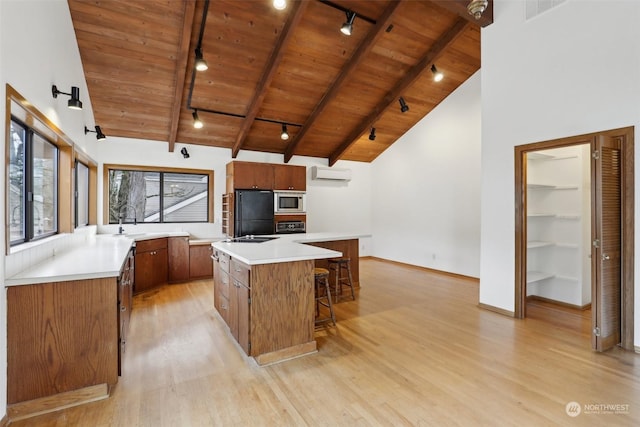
(135, 217)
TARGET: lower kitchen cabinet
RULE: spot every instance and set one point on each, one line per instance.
(151, 264)
(239, 300)
(200, 265)
(125, 304)
(178, 250)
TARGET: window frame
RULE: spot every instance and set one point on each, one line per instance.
(76, 193)
(106, 168)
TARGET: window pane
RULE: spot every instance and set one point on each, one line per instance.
(134, 196)
(16, 183)
(185, 197)
(82, 198)
(45, 157)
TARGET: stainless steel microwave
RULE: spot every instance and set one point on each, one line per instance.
(289, 202)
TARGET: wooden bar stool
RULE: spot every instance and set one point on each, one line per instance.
(323, 295)
(340, 265)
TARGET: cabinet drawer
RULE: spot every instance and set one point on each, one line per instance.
(223, 308)
(224, 284)
(151, 245)
(223, 260)
(240, 272)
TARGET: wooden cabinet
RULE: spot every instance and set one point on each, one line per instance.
(151, 264)
(125, 304)
(200, 265)
(227, 214)
(221, 284)
(178, 259)
(249, 175)
(289, 177)
(239, 300)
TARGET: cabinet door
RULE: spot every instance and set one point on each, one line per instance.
(288, 177)
(144, 273)
(243, 323)
(179, 256)
(233, 308)
(200, 261)
(161, 263)
(249, 175)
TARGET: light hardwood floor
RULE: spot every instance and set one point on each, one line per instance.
(414, 350)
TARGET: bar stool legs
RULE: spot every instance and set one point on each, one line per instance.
(323, 295)
(339, 265)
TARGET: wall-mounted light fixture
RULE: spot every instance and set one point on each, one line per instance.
(197, 123)
(437, 75)
(279, 4)
(476, 7)
(347, 27)
(372, 134)
(201, 64)
(185, 153)
(74, 103)
(99, 135)
(403, 105)
(284, 135)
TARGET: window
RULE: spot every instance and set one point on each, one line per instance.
(157, 196)
(81, 194)
(33, 190)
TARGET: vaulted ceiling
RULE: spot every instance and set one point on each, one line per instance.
(271, 67)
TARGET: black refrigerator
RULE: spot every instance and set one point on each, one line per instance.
(253, 212)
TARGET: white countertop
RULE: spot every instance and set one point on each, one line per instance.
(286, 248)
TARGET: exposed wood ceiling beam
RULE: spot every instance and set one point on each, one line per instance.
(269, 72)
(181, 71)
(438, 48)
(365, 46)
(460, 7)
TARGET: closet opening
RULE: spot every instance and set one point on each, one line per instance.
(574, 234)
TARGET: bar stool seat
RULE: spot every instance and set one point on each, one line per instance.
(323, 296)
(340, 266)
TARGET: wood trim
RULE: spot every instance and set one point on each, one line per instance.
(286, 353)
(105, 183)
(418, 267)
(496, 309)
(4, 421)
(627, 134)
(558, 303)
(32, 408)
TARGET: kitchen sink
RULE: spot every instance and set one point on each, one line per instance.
(251, 239)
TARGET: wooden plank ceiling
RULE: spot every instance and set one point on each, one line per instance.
(271, 67)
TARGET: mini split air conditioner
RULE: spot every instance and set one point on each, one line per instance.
(320, 172)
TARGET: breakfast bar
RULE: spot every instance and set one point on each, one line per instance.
(264, 291)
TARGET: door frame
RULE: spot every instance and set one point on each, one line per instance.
(627, 221)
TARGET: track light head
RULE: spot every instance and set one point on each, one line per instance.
(99, 135)
(347, 27)
(279, 4)
(197, 123)
(74, 103)
(476, 7)
(403, 105)
(185, 153)
(284, 135)
(372, 134)
(437, 75)
(200, 64)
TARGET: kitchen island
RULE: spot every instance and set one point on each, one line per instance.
(265, 292)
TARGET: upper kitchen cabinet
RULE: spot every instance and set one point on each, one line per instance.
(249, 175)
(288, 177)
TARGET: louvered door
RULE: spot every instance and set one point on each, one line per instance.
(606, 256)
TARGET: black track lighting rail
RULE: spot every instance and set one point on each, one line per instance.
(241, 116)
(346, 10)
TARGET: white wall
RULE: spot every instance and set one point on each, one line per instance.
(426, 189)
(3, 171)
(569, 71)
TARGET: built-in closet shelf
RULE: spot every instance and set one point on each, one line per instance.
(567, 245)
(551, 187)
(570, 217)
(536, 276)
(538, 244)
(552, 215)
(542, 156)
(540, 215)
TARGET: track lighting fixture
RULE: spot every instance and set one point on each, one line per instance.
(403, 105)
(476, 7)
(197, 123)
(185, 153)
(74, 103)
(372, 135)
(437, 75)
(347, 27)
(284, 135)
(99, 135)
(201, 64)
(279, 4)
